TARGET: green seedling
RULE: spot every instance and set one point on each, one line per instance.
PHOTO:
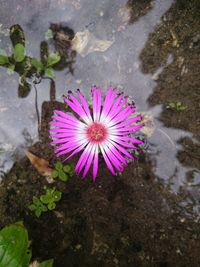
(51, 197)
(37, 207)
(178, 106)
(19, 54)
(47, 69)
(26, 66)
(62, 172)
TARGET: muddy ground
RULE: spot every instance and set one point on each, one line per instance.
(132, 219)
(128, 220)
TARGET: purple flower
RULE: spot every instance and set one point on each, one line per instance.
(107, 130)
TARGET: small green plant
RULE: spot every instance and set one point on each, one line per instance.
(15, 247)
(47, 69)
(45, 202)
(18, 56)
(62, 172)
(51, 197)
(37, 207)
(178, 106)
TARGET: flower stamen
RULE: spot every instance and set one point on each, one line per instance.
(96, 133)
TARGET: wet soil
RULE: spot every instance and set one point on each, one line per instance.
(129, 220)
(177, 36)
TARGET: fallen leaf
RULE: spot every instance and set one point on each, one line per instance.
(85, 42)
(40, 164)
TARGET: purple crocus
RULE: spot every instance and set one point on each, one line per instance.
(107, 127)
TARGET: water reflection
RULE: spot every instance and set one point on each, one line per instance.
(179, 165)
(32, 73)
(36, 69)
(62, 37)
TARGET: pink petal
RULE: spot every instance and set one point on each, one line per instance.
(121, 149)
(127, 122)
(95, 164)
(118, 109)
(133, 140)
(83, 158)
(108, 102)
(89, 160)
(69, 117)
(114, 160)
(77, 150)
(110, 167)
(84, 104)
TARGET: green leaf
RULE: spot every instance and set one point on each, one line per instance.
(49, 73)
(53, 59)
(57, 196)
(58, 166)
(31, 207)
(45, 199)
(48, 34)
(14, 246)
(43, 208)
(67, 168)
(172, 105)
(19, 52)
(54, 174)
(71, 172)
(38, 213)
(36, 200)
(37, 206)
(37, 64)
(62, 176)
(51, 206)
(3, 59)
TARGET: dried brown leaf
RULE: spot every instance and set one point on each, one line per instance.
(40, 164)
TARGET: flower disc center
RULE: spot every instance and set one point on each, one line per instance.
(97, 132)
